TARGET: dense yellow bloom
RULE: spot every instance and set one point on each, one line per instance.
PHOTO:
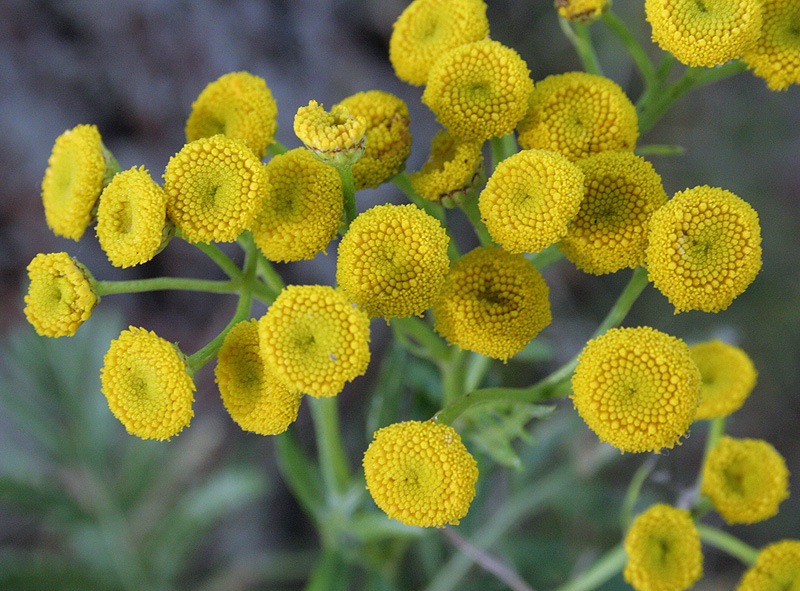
(428, 28)
(492, 302)
(254, 398)
(214, 186)
(777, 568)
(621, 192)
(529, 200)
(479, 90)
(131, 218)
(302, 207)
(704, 249)
(392, 260)
(704, 32)
(76, 172)
(238, 105)
(663, 549)
(637, 388)
(147, 385)
(314, 340)
(582, 11)
(746, 479)
(728, 377)
(60, 297)
(579, 114)
(388, 136)
(420, 473)
(334, 137)
(776, 55)
(452, 168)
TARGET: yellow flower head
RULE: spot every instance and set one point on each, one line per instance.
(582, 11)
(392, 260)
(314, 340)
(663, 549)
(728, 378)
(621, 192)
(529, 200)
(145, 380)
(254, 398)
(704, 249)
(131, 218)
(479, 90)
(579, 114)
(420, 473)
(637, 388)
(334, 137)
(452, 168)
(776, 55)
(777, 568)
(428, 28)
(75, 175)
(60, 297)
(214, 186)
(302, 207)
(746, 479)
(704, 32)
(388, 136)
(237, 105)
(492, 302)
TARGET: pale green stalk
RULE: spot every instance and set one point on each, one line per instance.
(578, 35)
(728, 543)
(609, 565)
(104, 288)
(330, 448)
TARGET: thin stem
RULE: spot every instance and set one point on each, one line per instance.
(105, 288)
(221, 259)
(300, 474)
(265, 270)
(634, 488)
(349, 192)
(422, 332)
(330, 448)
(716, 429)
(488, 562)
(659, 150)
(453, 373)
(502, 148)
(636, 51)
(728, 543)
(578, 35)
(610, 564)
(545, 258)
(276, 148)
(470, 207)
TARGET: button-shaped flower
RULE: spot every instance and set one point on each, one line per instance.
(777, 568)
(334, 137)
(776, 54)
(728, 377)
(453, 167)
(581, 11)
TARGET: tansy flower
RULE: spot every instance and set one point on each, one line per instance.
(704, 249)
(131, 218)
(254, 398)
(777, 568)
(579, 114)
(75, 176)
(479, 90)
(334, 137)
(428, 28)
(388, 139)
(582, 11)
(302, 207)
(746, 479)
(776, 54)
(214, 186)
(621, 192)
(728, 377)
(529, 200)
(420, 473)
(145, 380)
(451, 169)
(60, 297)
(663, 549)
(636, 388)
(492, 302)
(238, 105)
(314, 340)
(392, 260)
(704, 32)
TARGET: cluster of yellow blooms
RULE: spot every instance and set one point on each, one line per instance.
(576, 184)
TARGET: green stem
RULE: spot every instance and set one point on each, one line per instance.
(545, 258)
(221, 259)
(422, 332)
(636, 51)
(578, 35)
(276, 148)
(299, 473)
(634, 488)
(470, 207)
(659, 150)
(716, 429)
(502, 148)
(349, 191)
(727, 543)
(268, 274)
(610, 564)
(104, 288)
(330, 448)
(330, 572)
(453, 374)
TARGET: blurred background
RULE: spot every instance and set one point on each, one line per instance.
(83, 505)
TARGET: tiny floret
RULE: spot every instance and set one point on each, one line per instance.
(636, 388)
(452, 169)
(254, 398)
(777, 568)
(704, 249)
(147, 385)
(314, 340)
(420, 473)
(663, 548)
(746, 479)
(775, 56)
(479, 90)
(238, 105)
(392, 260)
(581, 11)
(728, 378)
(334, 137)
(60, 297)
